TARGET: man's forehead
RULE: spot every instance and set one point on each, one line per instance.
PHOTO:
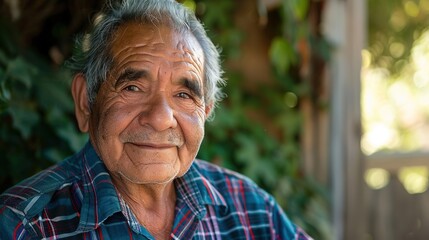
(155, 38)
(140, 46)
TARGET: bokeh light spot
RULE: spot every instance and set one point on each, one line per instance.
(291, 99)
(377, 178)
(414, 179)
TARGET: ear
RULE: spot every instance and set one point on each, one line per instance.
(81, 104)
(208, 110)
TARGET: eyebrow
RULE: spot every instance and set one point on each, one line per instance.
(133, 75)
(130, 75)
(193, 86)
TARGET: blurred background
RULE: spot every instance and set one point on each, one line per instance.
(327, 107)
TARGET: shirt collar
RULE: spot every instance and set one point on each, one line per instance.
(100, 199)
(197, 191)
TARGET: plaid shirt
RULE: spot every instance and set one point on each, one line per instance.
(77, 200)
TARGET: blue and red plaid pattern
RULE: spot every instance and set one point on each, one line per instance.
(76, 199)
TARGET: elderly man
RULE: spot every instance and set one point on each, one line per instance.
(145, 81)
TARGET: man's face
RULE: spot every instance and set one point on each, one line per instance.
(147, 122)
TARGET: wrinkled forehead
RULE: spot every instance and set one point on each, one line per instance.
(156, 38)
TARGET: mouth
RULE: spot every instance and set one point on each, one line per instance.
(154, 146)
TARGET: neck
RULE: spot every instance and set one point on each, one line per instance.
(152, 204)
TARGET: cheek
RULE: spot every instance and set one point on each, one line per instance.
(107, 125)
(107, 122)
(193, 130)
(112, 115)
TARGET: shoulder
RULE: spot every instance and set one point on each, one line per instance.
(220, 175)
(29, 197)
(248, 203)
(233, 185)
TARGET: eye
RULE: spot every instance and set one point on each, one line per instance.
(184, 95)
(131, 88)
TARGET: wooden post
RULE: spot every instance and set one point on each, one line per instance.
(345, 28)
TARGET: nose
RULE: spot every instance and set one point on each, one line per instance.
(158, 114)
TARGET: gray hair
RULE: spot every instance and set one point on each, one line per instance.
(93, 58)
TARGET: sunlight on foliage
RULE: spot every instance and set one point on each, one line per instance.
(190, 5)
(411, 9)
(395, 107)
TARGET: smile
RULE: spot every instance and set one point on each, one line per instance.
(154, 146)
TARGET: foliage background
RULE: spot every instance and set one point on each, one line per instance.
(395, 113)
(36, 110)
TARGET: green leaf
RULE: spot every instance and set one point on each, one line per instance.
(53, 154)
(24, 117)
(52, 92)
(5, 94)
(295, 10)
(282, 55)
(3, 58)
(300, 8)
(21, 70)
(190, 4)
(65, 129)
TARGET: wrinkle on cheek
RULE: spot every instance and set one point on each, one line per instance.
(112, 89)
(201, 114)
(104, 132)
(108, 119)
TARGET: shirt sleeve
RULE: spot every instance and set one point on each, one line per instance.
(12, 226)
(283, 226)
